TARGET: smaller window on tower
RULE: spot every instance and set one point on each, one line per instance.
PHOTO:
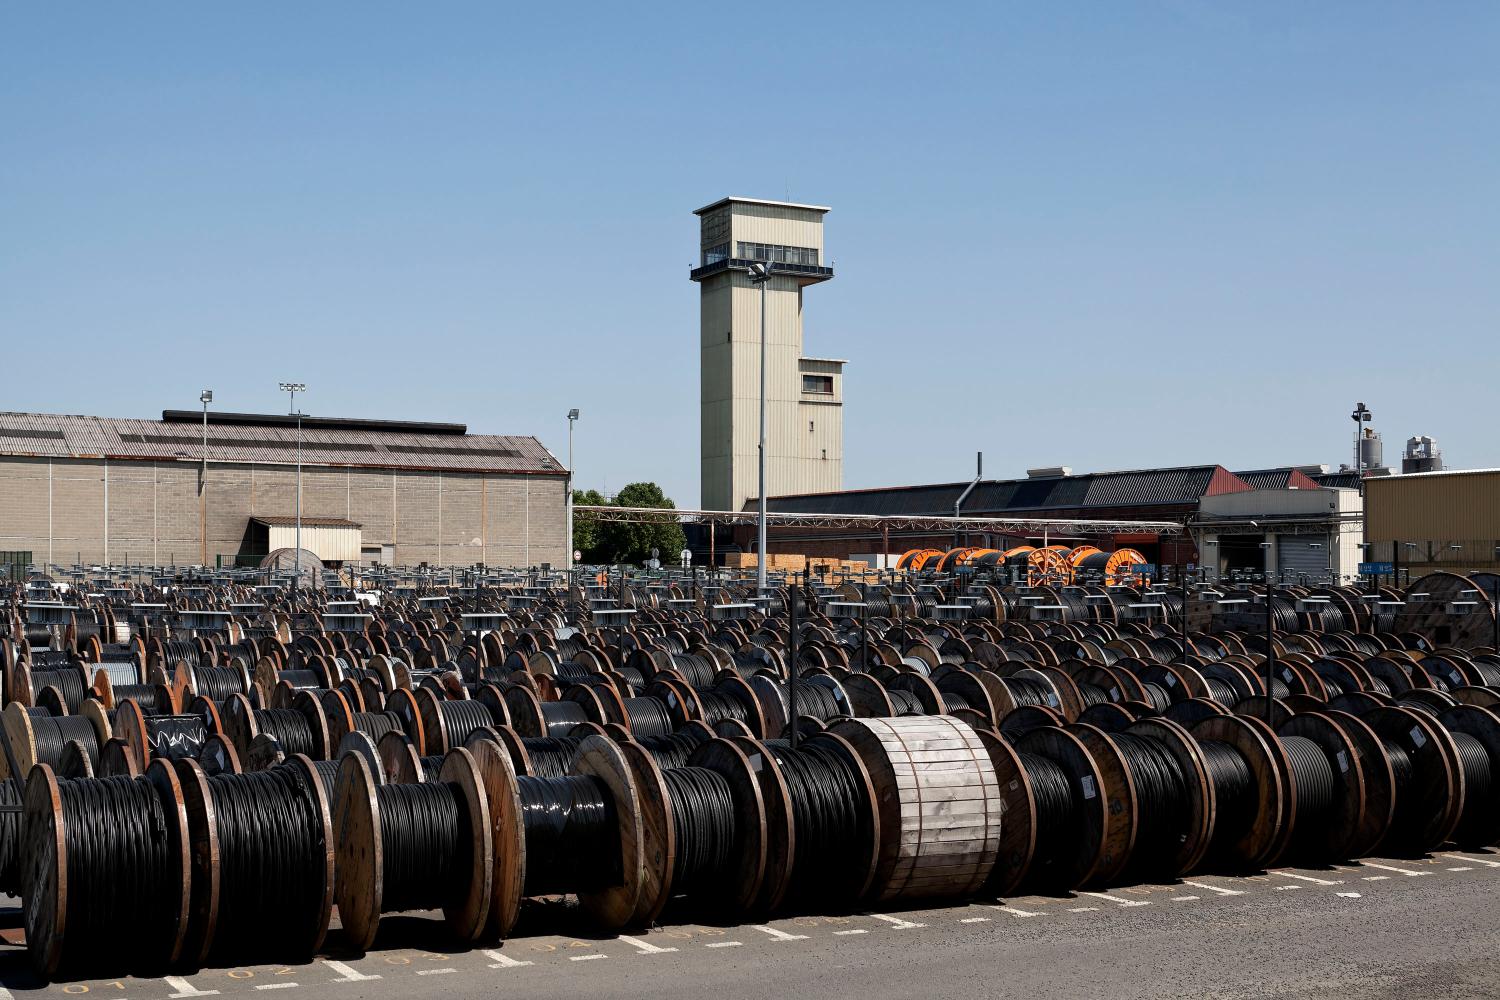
(825, 454)
(818, 383)
(809, 427)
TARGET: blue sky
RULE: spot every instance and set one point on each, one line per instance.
(1098, 235)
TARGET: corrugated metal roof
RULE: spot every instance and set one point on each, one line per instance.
(1140, 488)
(284, 521)
(51, 435)
(1289, 477)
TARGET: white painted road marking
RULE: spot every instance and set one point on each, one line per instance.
(1012, 910)
(586, 958)
(896, 922)
(1083, 909)
(645, 947)
(186, 989)
(1308, 878)
(1184, 899)
(724, 944)
(1214, 888)
(1122, 901)
(1461, 868)
(975, 920)
(290, 986)
(1393, 868)
(857, 930)
(502, 961)
(779, 935)
(1377, 878)
(1348, 895)
(430, 972)
(1477, 861)
(350, 975)
(1287, 888)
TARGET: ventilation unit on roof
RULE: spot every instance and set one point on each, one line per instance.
(1049, 472)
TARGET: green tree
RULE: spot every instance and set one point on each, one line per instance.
(633, 542)
(586, 527)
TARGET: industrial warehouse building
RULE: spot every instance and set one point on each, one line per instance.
(1435, 521)
(100, 490)
(1300, 520)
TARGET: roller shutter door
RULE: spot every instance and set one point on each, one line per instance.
(1298, 557)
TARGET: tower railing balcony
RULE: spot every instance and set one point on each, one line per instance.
(808, 273)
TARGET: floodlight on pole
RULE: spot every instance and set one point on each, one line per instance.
(760, 274)
(292, 388)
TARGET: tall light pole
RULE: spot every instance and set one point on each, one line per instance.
(293, 388)
(1362, 416)
(205, 397)
(568, 558)
(759, 275)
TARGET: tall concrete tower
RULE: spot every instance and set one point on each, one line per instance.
(804, 396)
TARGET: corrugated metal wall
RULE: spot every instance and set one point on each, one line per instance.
(1443, 506)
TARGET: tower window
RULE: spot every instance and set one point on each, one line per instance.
(825, 454)
(818, 383)
(776, 252)
(715, 254)
(809, 427)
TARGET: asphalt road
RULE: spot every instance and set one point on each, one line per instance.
(1399, 929)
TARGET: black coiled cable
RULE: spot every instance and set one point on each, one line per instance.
(561, 716)
(703, 820)
(148, 696)
(10, 838)
(301, 680)
(1162, 804)
(1222, 692)
(1314, 783)
(953, 702)
(52, 734)
(721, 705)
(648, 716)
(1059, 813)
(272, 872)
(697, 670)
(218, 683)
(462, 718)
(830, 816)
(905, 702)
(376, 724)
(290, 728)
(551, 757)
(1235, 806)
(119, 863)
(1479, 784)
(432, 767)
(571, 835)
(673, 749)
(426, 845)
(69, 683)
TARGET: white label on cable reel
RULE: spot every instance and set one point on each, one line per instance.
(1088, 786)
(1417, 737)
(1171, 681)
(756, 764)
(1343, 760)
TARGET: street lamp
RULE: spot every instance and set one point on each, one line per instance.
(1361, 416)
(568, 559)
(760, 274)
(205, 397)
(292, 388)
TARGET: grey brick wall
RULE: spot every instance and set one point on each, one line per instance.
(61, 509)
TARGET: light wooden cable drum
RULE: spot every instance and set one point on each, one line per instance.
(938, 801)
